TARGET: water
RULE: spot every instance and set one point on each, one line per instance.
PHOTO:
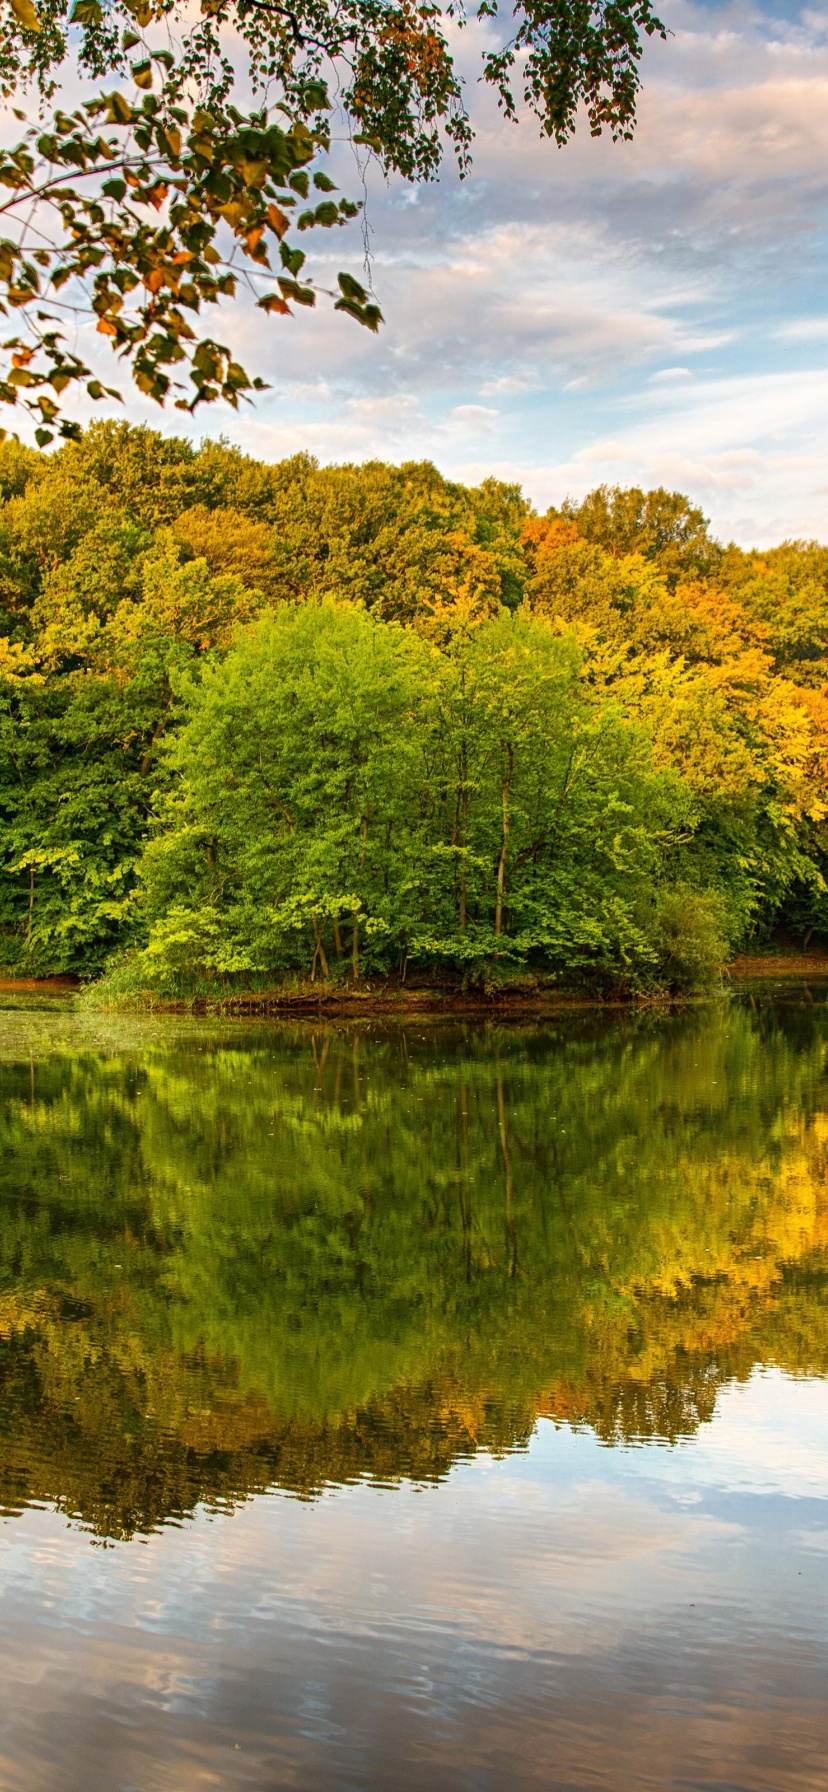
(435, 1406)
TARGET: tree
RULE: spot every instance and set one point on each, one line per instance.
(153, 198)
(290, 829)
(131, 563)
(340, 789)
(712, 673)
(660, 525)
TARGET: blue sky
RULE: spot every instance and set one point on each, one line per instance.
(651, 313)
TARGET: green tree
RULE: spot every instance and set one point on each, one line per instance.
(292, 814)
(454, 806)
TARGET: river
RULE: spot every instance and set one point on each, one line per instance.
(437, 1405)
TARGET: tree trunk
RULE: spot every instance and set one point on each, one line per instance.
(464, 823)
(157, 732)
(504, 841)
(355, 936)
(319, 953)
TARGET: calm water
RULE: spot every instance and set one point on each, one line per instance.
(427, 1407)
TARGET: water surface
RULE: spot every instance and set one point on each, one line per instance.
(428, 1406)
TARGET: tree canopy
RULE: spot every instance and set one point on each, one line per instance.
(260, 722)
(200, 159)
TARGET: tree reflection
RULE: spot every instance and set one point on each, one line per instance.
(298, 1256)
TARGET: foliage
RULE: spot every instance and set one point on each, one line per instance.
(689, 935)
(154, 197)
(743, 722)
(661, 526)
(507, 743)
(451, 805)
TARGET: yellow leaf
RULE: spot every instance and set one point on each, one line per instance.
(24, 11)
(277, 220)
(254, 174)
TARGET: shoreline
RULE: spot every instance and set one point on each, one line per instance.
(387, 1000)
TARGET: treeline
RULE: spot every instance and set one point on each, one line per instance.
(275, 721)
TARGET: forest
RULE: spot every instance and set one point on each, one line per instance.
(273, 725)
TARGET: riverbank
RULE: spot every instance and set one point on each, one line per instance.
(21, 986)
(388, 1000)
(745, 968)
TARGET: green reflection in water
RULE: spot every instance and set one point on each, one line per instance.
(295, 1256)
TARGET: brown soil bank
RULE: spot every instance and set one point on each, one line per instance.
(378, 1000)
(391, 999)
(778, 964)
(386, 1000)
(23, 986)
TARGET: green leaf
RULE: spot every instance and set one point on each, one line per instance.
(170, 139)
(292, 259)
(304, 295)
(368, 315)
(351, 289)
(120, 110)
(142, 73)
(86, 12)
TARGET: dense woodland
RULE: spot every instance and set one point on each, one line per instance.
(266, 723)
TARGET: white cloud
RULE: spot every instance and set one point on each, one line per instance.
(803, 329)
(649, 311)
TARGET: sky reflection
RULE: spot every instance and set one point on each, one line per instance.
(571, 1615)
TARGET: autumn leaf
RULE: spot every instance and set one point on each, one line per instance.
(24, 12)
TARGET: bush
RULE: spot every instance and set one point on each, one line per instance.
(689, 934)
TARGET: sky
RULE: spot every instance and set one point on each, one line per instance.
(645, 313)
